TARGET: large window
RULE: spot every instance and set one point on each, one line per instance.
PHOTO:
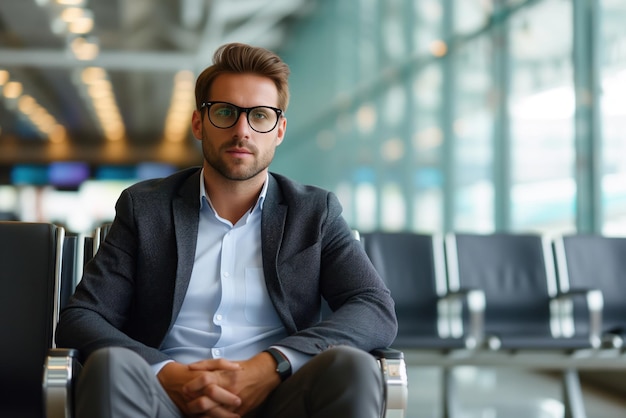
(613, 111)
(473, 129)
(542, 118)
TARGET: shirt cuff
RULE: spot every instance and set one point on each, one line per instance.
(296, 358)
(156, 368)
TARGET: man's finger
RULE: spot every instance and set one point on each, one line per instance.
(214, 364)
(216, 401)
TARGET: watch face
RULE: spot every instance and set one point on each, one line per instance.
(283, 367)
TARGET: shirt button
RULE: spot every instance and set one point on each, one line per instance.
(226, 274)
(217, 352)
(218, 318)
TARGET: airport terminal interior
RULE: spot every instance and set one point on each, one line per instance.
(431, 117)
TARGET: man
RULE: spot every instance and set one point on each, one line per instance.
(205, 298)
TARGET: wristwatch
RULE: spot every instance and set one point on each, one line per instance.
(283, 367)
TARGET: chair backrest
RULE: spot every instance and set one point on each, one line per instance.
(30, 274)
(516, 273)
(71, 266)
(587, 262)
(413, 267)
(100, 234)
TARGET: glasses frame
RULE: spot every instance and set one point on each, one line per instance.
(240, 110)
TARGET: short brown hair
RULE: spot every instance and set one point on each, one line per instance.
(242, 58)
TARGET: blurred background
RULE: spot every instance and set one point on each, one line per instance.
(422, 115)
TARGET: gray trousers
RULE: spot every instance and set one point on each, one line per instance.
(342, 382)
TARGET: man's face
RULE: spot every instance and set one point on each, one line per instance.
(239, 153)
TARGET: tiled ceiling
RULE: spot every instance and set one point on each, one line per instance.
(142, 44)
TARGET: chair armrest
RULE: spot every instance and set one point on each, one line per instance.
(395, 378)
(61, 368)
(594, 301)
(451, 308)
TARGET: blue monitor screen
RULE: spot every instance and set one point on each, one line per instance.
(116, 172)
(29, 174)
(68, 174)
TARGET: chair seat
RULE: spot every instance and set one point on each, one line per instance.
(519, 342)
(425, 342)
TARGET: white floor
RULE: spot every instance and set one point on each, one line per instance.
(502, 393)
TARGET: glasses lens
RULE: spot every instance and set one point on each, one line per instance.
(262, 119)
(223, 115)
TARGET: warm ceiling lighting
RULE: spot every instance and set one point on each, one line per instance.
(70, 14)
(57, 134)
(12, 89)
(4, 77)
(79, 21)
(71, 2)
(26, 104)
(100, 91)
(92, 74)
(181, 107)
(438, 48)
(85, 48)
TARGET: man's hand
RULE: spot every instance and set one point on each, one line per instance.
(253, 382)
(213, 400)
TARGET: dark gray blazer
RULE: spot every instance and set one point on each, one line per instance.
(133, 289)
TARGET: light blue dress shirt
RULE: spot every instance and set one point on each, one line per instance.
(227, 311)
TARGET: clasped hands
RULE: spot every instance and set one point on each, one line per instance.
(219, 388)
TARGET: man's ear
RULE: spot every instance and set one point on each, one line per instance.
(196, 124)
(282, 129)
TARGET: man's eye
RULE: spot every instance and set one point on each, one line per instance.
(223, 112)
(260, 114)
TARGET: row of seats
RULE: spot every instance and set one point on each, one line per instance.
(41, 265)
(507, 299)
(492, 297)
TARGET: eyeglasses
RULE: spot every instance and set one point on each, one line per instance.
(225, 115)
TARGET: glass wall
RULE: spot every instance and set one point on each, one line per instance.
(441, 115)
(542, 117)
(613, 110)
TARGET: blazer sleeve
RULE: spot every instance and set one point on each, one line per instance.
(98, 314)
(332, 264)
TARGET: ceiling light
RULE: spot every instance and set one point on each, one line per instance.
(82, 25)
(181, 106)
(84, 48)
(70, 14)
(92, 74)
(68, 2)
(12, 89)
(77, 20)
(26, 104)
(57, 133)
(4, 77)
(438, 48)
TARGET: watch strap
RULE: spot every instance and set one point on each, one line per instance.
(283, 366)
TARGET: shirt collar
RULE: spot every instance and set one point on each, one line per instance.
(205, 200)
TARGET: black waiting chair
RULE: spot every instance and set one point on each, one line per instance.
(413, 267)
(517, 275)
(592, 278)
(30, 274)
(62, 366)
(71, 266)
(523, 311)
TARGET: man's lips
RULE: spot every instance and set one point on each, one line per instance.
(239, 151)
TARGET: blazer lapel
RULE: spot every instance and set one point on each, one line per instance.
(186, 206)
(272, 228)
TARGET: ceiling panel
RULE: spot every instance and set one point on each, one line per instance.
(143, 44)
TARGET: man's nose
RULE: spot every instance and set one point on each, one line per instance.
(242, 121)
